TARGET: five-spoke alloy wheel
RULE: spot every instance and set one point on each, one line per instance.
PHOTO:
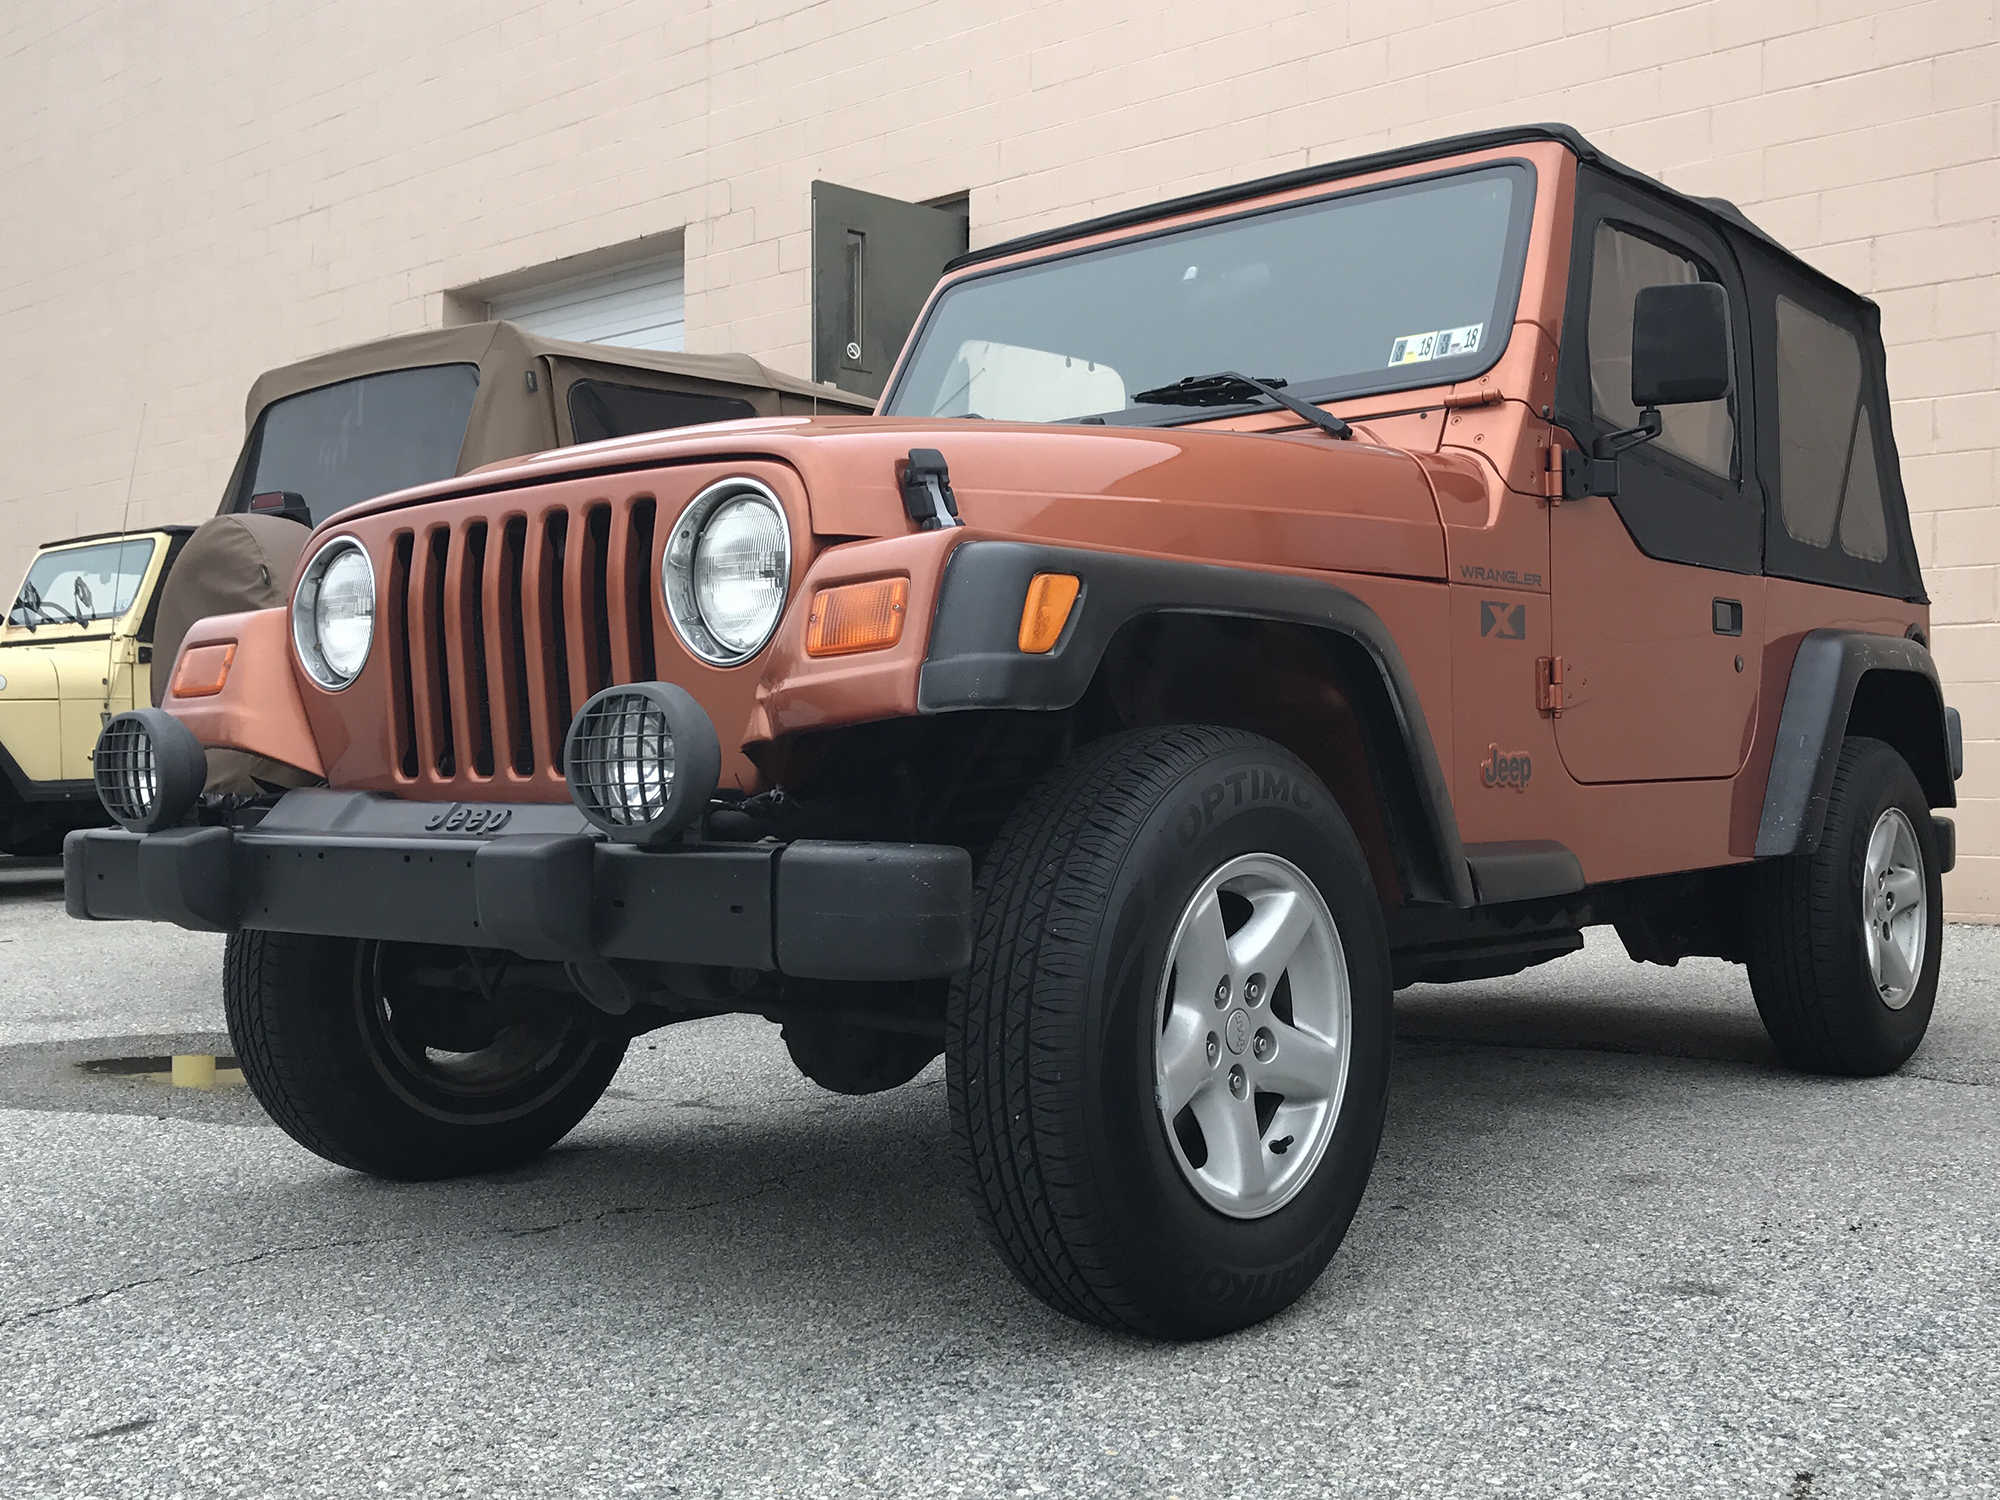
(1844, 938)
(1895, 907)
(1169, 1061)
(1254, 1013)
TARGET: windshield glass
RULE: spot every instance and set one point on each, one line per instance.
(79, 584)
(1408, 284)
(345, 443)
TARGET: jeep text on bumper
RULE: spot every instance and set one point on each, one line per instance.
(343, 864)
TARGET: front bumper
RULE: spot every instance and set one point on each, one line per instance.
(355, 865)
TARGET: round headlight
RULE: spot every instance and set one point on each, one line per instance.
(726, 571)
(333, 613)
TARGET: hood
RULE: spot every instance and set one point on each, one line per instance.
(1305, 499)
(28, 673)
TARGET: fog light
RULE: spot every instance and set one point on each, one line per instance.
(642, 761)
(148, 768)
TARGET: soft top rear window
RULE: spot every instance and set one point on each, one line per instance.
(344, 443)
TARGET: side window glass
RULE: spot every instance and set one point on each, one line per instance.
(1829, 481)
(1622, 262)
(601, 409)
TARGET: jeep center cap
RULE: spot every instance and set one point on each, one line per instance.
(1236, 1030)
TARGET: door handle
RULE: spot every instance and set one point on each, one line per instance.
(1728, 616)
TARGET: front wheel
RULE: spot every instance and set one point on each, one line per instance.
(407, 1061)
(1168, 1063)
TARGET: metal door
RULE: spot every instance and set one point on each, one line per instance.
(875, 259)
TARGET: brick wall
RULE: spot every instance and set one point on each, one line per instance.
(198, 192)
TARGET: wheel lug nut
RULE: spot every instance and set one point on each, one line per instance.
(1238, 1084)
(1253, 990)
(1264, 1046)
(1222, 990)
(1214, 1048)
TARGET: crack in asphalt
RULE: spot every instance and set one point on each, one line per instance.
(278, 1252)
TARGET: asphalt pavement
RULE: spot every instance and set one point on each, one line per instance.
(1609, 1250)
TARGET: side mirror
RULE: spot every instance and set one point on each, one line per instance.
(1680, 354)
(1680, 344)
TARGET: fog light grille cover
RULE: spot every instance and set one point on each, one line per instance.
(126, 772)
(148, 769)
(621, 761)
(642, 761)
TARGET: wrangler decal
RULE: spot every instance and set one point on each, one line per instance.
(1509, 577)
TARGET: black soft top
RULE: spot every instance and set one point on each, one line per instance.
(1720, 212)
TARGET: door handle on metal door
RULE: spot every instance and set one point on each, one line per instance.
(1728, 616)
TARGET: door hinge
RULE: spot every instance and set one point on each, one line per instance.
(1549, 685)
(1552, 474)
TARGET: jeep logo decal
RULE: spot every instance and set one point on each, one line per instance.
(1506, 768)
(462, 817)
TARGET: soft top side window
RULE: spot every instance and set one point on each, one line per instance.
(1829, 478)
(604, 409)
(1622, 262)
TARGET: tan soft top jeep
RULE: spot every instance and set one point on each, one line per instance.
(1240, 607)
(321, 434)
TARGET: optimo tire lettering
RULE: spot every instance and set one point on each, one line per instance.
(1236, 790)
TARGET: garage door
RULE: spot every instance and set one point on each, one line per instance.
(638, 305)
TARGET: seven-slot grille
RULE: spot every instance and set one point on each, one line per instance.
(498, 628)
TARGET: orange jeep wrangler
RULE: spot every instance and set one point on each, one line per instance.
(1239, 608)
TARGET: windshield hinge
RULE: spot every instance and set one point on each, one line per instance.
(1549, 672)
(927, 492)
(1484, 395)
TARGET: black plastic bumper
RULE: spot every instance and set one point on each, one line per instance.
(817, 910)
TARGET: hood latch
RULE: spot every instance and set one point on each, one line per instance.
(927, 492)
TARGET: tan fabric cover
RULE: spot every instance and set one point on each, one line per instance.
(230, 564)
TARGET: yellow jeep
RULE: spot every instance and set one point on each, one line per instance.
(77, 646)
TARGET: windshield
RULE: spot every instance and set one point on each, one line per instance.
(345, 443)
(1408, 284)
(79, 584)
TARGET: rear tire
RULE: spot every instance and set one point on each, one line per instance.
(1845, 940)
(361, 1063)
(1064, 1047)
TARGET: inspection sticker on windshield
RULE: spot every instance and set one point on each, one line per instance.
(1441, 343)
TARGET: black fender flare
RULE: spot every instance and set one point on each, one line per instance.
(26, 791)
(1827, 674)
(975, 661)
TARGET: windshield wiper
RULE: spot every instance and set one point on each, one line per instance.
(30, 598)
(1227, 388)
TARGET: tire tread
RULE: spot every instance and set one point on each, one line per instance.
(1062, 847)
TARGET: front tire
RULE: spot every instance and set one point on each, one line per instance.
(1845, 940)
(1151, 1145)
(409, 1062)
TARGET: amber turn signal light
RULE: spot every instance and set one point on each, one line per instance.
(1046, 610)
(857, 617)
(203, 670)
